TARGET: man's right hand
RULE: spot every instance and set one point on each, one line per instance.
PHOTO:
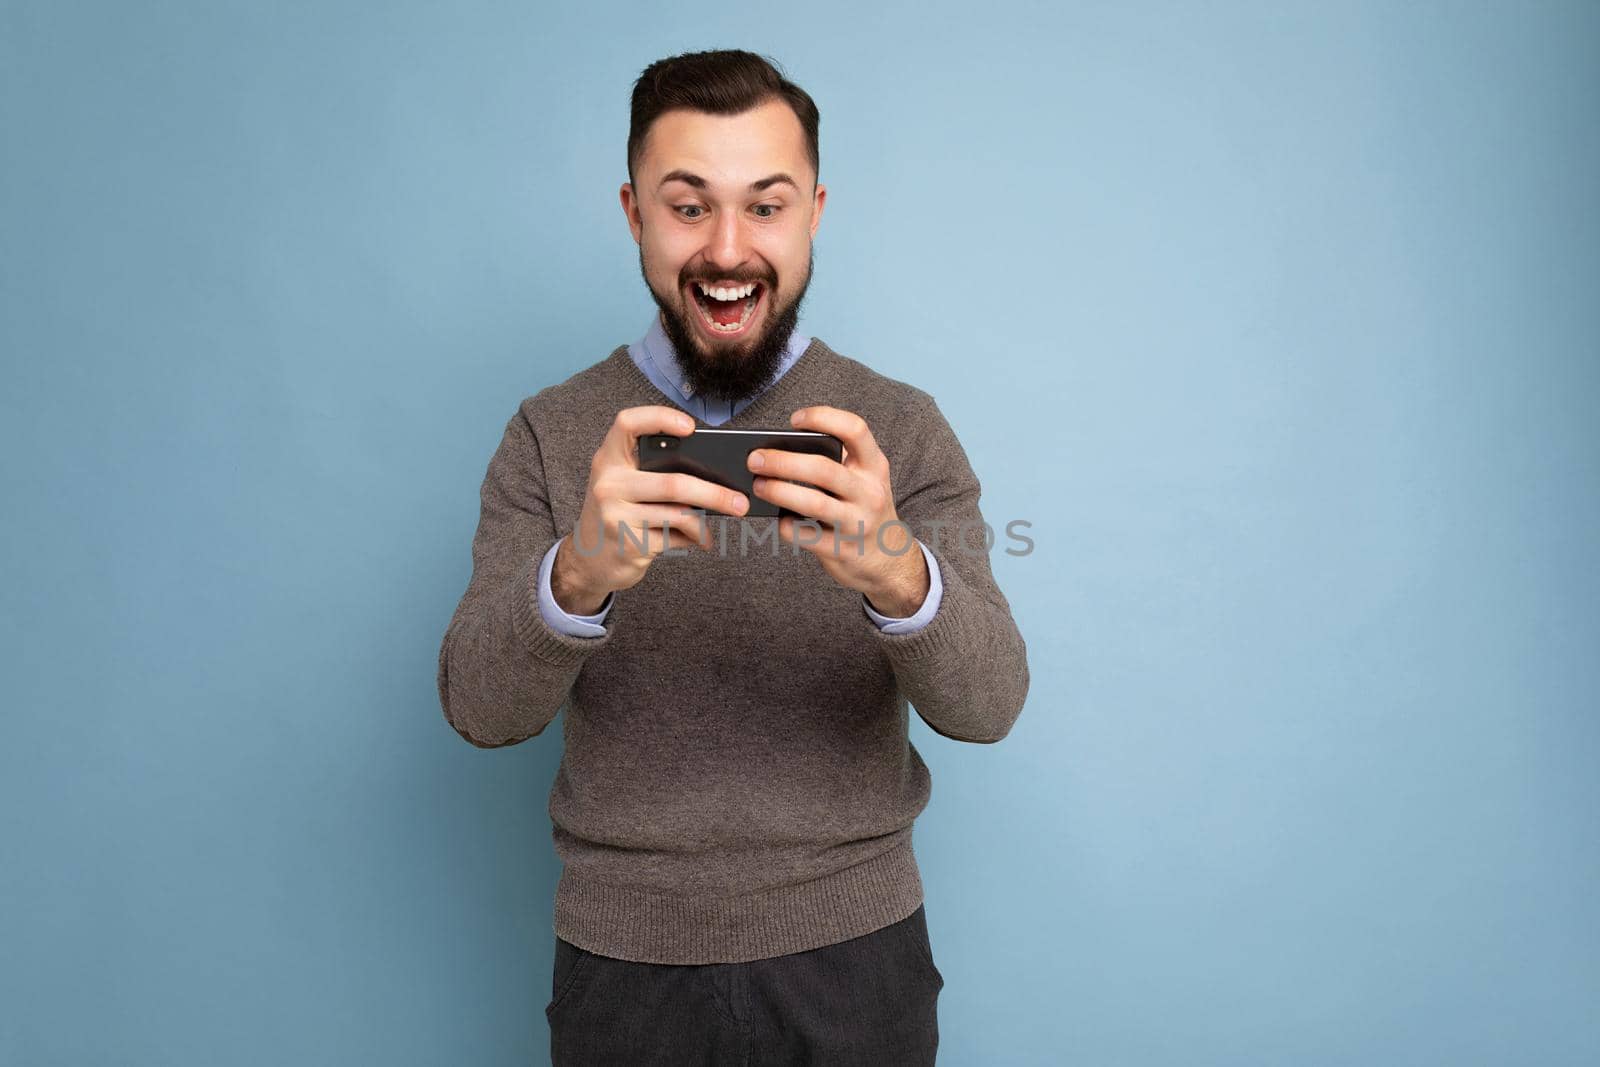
(620, 494)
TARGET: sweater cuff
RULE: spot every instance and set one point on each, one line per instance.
(540, 638)
(917, 620)
(559, 617)
(946, 630)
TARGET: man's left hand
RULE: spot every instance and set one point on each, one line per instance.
(853, 500)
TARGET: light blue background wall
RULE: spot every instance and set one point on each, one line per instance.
(1278, 322)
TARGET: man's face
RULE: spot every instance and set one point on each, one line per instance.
(726, 200)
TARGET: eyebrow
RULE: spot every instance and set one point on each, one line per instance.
(698, 182)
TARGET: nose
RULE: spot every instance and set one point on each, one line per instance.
(729, 244)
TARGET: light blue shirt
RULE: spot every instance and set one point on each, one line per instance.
(653, 354)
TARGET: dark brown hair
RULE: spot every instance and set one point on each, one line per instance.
(721, 82)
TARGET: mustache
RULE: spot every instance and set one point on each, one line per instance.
(735, 279)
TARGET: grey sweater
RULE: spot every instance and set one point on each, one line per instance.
(775, 815)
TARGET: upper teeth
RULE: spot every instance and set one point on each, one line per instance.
(736, 293)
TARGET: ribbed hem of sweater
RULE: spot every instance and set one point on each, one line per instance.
(648, 926)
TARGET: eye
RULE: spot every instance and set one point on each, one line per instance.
(774, 208)
(681, 208)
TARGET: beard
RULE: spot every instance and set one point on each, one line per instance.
(730, 372)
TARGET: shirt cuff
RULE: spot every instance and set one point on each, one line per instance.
(558, 617)
(924, 615)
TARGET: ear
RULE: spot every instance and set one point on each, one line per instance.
(816, 208)
(630, 208)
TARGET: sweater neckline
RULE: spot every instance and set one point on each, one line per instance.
(766, 405)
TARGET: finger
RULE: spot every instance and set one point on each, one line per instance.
(824, 472)
(860, 448)
(676, 487)
(694, 524)
(816, 538)
(647, 537)
(633, 423)
(637, 522)
(812, 503)
(675, 540)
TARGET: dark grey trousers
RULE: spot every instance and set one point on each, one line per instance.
(870, 1000)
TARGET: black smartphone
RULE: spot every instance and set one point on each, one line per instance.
(721, 456)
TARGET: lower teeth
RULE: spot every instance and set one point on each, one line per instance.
(734, 327)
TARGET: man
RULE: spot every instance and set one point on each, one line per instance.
(736, 795)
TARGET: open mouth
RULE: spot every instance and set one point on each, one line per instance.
(727, 311)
